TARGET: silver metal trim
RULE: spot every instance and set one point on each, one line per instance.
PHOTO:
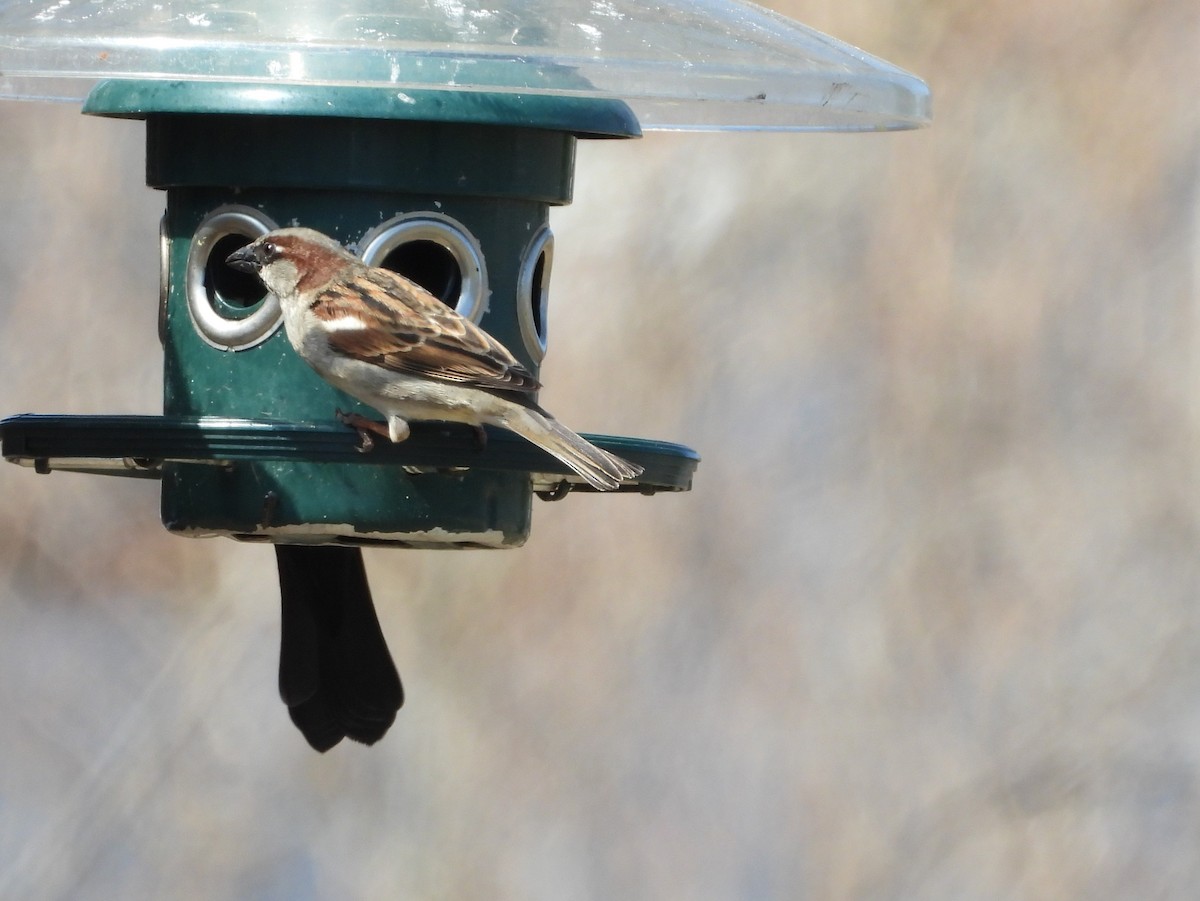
(164, 277)
(376, 244)
(535, 340)
(217, 330)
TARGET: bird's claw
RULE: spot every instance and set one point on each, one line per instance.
(481, 437)
(360, 424)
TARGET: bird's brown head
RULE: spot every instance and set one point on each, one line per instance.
(292, 261)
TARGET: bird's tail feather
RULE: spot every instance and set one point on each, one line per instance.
(600, 469)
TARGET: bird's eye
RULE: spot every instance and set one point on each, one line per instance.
(270, 252)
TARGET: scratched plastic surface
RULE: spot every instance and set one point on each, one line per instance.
(710, 64)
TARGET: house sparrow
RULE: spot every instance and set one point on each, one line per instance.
(335, 673)
(390, 343)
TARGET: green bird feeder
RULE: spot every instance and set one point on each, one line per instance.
(431, 139)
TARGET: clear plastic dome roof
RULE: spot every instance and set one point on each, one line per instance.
(704, 64)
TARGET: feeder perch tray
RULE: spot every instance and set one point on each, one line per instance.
(138, 446)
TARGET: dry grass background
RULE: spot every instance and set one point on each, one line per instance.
(926, 627)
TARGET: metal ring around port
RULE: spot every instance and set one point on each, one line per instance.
(164, 277)
(221, 331)
(534, 338)
(448, 233)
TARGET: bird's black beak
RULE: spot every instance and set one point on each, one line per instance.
(244, 259)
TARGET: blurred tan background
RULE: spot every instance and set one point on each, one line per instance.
(927, 627)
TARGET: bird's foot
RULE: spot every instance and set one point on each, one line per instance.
(481, 438)
(364, 427)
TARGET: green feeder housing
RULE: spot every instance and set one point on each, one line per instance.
(451, 190)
